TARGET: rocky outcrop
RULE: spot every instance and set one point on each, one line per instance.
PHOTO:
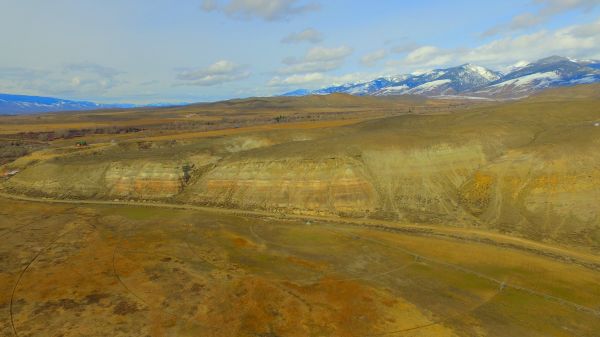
(145, 180)
(84, 180)
(138, 179)
(331, 185)
(552, 198)
(422, 183)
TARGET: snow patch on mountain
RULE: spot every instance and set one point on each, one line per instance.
(540, 79)
(483, 72)
(471, 80)
(428, 86)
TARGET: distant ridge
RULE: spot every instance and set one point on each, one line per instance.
(464, 81)
(23, 104)
(469, 80)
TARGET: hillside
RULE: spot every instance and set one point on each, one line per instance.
(525, 168)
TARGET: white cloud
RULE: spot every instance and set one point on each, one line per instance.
(521, 21)
(209, 5)
(268, 10)
(217, 73)
(573, 41)
(586, 31)
(372, 58)
(307, 67)
(353, 78)
(75, 80)
(317, 80)
(427, 56)
(318, 54)
(549, 8)
(93, 68)
(317, 59)
(421, 54)
(580, 41)
(298, 79)
(553, 7)
(405, 48)
(308, 35)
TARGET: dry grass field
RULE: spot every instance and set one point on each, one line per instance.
(316, 216)
(81, 270)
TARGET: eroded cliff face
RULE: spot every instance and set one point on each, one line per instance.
(84, 180)
(422, 183)
(329, 185)
(146, 180)
(416, 184)
(552, 198)
(139, 180)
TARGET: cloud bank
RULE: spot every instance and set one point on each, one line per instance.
(548, 9)
(310, 35)
(268, 10)
(220, 72)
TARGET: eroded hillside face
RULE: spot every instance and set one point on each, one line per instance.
(529, 168)
(327, 185)
(553, 197)
(137, 180)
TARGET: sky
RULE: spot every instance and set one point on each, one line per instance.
(159, 51)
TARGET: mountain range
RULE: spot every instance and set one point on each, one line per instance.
(23, 104)
(469, 80)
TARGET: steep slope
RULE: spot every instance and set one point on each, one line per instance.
(449, 81)
(88, 179)
(366, 88)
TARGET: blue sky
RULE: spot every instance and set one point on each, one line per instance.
(202, 50)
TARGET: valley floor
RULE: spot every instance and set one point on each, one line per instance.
(76, 268)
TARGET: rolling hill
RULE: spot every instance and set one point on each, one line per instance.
(523, 167)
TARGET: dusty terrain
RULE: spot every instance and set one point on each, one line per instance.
(81, 270)
(318, 216)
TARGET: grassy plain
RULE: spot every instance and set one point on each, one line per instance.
(135, 271)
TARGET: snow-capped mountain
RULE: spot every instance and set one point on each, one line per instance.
(450, 81)
(593, 64)
(298, 92)
(476, 81)
(554, 71)
(436, 82)
(22, 104)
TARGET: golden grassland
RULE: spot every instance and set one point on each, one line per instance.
(123, 270)
(316, 216)
(258, 128)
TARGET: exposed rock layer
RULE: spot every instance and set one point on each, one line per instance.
(529, 168)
